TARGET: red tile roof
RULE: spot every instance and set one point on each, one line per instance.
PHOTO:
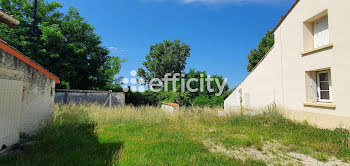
(172, 104)
(7, 48)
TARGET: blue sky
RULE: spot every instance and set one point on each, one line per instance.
(220, 32)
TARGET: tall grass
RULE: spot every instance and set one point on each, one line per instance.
(95, 135)
(203, 123)
(70, 139)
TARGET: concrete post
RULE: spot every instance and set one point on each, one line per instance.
(110, 98)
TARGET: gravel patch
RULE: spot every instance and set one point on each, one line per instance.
(271, 154)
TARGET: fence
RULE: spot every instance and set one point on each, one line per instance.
(106, 98)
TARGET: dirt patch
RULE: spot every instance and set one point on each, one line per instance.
(271, 154)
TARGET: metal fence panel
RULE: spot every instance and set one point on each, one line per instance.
(105, 98)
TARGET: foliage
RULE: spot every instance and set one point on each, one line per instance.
(157, 98)
(201, 101)
(64, 43)
(206, 101)
(264, 46)
(138, 98)
(197, 74)
(183, 98)
(170, 57)
(167, 57)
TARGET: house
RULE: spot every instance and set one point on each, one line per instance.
(26, 92)
(170, 107)
(306, 73)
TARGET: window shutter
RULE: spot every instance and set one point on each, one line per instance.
(325, 32)
(321, 33)
(317, 34)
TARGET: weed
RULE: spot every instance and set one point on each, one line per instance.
(95, 135)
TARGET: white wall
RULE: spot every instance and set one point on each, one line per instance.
(295, 65)
(281, 76)
(262, 87)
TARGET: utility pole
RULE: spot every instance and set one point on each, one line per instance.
(35, 10)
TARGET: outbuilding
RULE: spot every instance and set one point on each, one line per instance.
(170, 107)
(26, 92)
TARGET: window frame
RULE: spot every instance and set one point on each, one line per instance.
(309, 36)
(319, 87)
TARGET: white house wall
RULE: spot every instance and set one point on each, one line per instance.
(281, 76)
(337, 59)
(261, 87)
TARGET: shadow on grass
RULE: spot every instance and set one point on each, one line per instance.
(68, 140)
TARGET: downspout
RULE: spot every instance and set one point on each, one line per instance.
(282, 67)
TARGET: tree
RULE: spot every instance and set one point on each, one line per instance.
(64, 43)
(197, 74)
(186, 98)
(166, 57)
(257, 54)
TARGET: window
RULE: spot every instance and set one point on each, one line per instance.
(319, 89)
(321, 33)
(324, 86)
(316, 34)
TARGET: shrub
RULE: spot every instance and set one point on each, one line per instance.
(183, 98)
(201, 101)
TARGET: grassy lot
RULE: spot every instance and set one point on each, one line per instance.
(94, 135)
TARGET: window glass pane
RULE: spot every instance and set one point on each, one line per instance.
(324, 85)
(325, 95)
(324, 77)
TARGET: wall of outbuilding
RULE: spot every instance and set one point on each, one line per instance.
(38, 92)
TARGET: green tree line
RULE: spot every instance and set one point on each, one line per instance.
(63, 43)
(66, 44)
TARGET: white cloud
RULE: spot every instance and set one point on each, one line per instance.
(215, 1)
(223, 1)
(113, 49)
(116, 51)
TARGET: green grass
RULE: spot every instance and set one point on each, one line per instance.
(273, 127)
(94, 135)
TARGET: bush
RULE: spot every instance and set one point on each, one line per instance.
(183, 98)
(145, 98)
(154, 99)
(206, 101)
(201, 101)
